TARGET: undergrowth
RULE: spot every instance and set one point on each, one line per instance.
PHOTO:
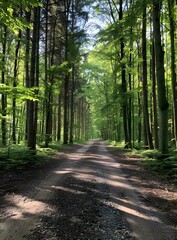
(20, 157)
(164, 166)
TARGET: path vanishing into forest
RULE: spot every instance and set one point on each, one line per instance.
(87, 192)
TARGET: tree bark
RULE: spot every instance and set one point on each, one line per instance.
(154, 98)
(37, 73)
(173, 64)
(50, 81)
(46, 105)
(66, 81)
(124, 84)
(14, 85)
(31, 120)
(160, 75)
(72, 105)
(145, 86)
(65, 121)
(4, 97)
(59, 118)
(27, 75)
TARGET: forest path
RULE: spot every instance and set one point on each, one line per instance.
(88, 193)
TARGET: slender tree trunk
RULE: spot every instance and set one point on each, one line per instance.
(48, 82)
(148, 133)
(173, 64)
(83, 118)
(66, 81)
(161, 88)
(124, 84)
(139, 118)
(4, 97)
(27, 59)
(43, 123)
(37, 73)
(79, 119)
(154, 98)
(130, 88)
(139, 123)
(130, 109)
(65, 121)
(54, 124)
(59, 118)
(14, 85)
(133, 115)
(31, 121)
(72, 105)
(48, 119)
(49, 93)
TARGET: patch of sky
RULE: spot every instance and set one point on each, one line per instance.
(96, 22)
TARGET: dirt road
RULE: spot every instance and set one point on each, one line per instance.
(86, 193)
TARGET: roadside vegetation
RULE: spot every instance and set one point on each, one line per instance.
(16, 157)
(162, 165)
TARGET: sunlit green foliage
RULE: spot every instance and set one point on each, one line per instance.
(8, 14)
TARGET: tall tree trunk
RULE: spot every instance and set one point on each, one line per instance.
(130, 108)
(46, 106)
(65, 121)
(4, 97)
(27, 75)
(48, 118)
(161, 88)
(14, 85)
(49, 61)
(37, 72)
(49, 92)
(79, 119)
(173, 64)
(66, 81)
(133, 116)
(139, 97)
(145, 86)
(73, 78)
(59, 118)
(83, 115)
(31, 121)
(72, 105)
(124, 84)
(154, 98)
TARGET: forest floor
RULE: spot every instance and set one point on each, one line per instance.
(92, 192)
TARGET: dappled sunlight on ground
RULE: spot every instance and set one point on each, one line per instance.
(20, 215)
(66, 171)
(116, 182)
(131, 211)
(74, 156)
(22, 206)
(69, 190)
